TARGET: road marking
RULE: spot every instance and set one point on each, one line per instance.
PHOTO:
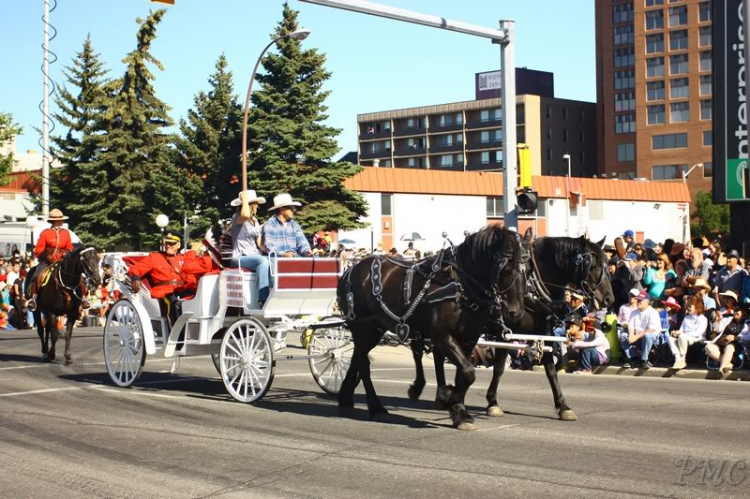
(108, 389)
(47, 390)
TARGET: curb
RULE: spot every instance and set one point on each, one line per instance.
(663, 372)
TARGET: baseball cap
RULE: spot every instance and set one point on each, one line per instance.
(643, 296)
(573, 319)
(634, 292)
(628, 233)
(733, 254)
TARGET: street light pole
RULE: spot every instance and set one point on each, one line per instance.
(503, 37)
(686, 215)
(567, 181)
(299, 34)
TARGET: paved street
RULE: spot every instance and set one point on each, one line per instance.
(66, 432)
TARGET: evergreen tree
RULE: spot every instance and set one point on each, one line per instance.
(290, 148)
(708, 217)
(81, 186)
(8, 130)
(136, 150)
(210, 146)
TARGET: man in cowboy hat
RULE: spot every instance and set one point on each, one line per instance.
(700, 288)
(172, 276)
(53, 244)
(281, 234)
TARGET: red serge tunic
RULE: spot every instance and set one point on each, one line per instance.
(170, 274)
(54, 244)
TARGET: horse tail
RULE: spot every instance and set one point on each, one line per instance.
(344, 295)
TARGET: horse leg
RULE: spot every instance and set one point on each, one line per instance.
(441, 402)
(417, 351)
(564, 412)
(53, 334)
(69, 337)
(453, 397)
(377, 411)
(351, 380)
(40, 330)
(498, 368)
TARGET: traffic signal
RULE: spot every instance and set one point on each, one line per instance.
(524, 166)
(527, 200)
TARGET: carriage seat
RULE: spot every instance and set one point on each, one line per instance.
(304, 286)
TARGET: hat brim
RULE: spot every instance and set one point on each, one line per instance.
(675, 306)
(293, 203)
(58, 219)
(238, 201)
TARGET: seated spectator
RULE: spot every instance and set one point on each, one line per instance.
(409, 251)
(722, 346)
(281, 233)
(643, 330)
(731, 276)
(393, 252)
(699, 269)
(591, 348)
(658, 274)
(700, 288)
(677, 287)
(623, 315)
(692, 330)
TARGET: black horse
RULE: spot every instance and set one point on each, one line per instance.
(61, 293)
(557, 264)
(450, 299)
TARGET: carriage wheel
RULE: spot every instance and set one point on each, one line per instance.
(124, 351)
(217, 361)
(333, 349)
(246, 360)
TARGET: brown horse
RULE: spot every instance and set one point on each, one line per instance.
(62, 294)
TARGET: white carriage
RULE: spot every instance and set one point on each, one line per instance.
(224, 320)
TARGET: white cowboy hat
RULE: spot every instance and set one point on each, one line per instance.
(56, 215)
(251, 196)
(283, 200)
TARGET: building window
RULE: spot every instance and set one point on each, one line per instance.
(708, 170)
(667, 172)
(490, 115)
(680, 112)
(549, 154)
(706, 61)
(707, 109)
(582, 137)
(459, 118)
(669, 141)
(387, 126)
(565, 109)
(445, 120)
(565, 134)
(625, 123)
(678, 16)
(386, 205)
(708, 138)
(654, 43)
(626, 152)
(654, 67)
(490, 136)
(624, 35)
(549, 111)
(705, 36)
(623, 13)
(624, 57)
(495, 207)
(678, 64)
(655, 90)
(707, 85)
(679, 88)
(623, 80)
(410, 123)
(549, 132)
(654, 19)
(656, 114)
(485, 157)
(387, 162)
(678, 40)
(705, 12)
(653, 3)
(624, 101)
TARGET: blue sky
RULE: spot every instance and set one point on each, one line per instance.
(377, 64)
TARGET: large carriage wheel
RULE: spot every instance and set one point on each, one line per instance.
(246, 360)
(124, 351)
(333, 349)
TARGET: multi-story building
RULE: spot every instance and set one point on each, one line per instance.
(467, 136)
(654, 88)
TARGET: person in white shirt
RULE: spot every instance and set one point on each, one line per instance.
(590, 347)
(623, 320)
(644, 328)
(722, 346)
(692, 330)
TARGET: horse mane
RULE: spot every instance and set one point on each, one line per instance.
(483, 250)
(560, 249)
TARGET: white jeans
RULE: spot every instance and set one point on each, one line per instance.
(680, 345)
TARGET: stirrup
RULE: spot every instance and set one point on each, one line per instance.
(31, 305)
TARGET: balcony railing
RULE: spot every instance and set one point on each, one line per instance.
(375, 135)
(492, 166)
(410, 151)
(456, 167)
(490, 144)
(457, 147)
(453, 127)
(406, 132)
(473, 125)
(383, 153)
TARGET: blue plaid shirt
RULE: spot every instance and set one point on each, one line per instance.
(284, 237)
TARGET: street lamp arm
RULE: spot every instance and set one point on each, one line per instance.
(685, 174)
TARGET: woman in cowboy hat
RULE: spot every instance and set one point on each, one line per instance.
(281, 234)
(53, 244)
(246, 241)
(692, 330)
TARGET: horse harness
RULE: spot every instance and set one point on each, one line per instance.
(86, 275)
(462, 287)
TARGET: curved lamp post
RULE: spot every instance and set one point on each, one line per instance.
(299, 34)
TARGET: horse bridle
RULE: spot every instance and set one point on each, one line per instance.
(86, 274)
(583, 261)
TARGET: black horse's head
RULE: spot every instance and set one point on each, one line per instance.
(578, 263)
(492, 257)
(86, 264)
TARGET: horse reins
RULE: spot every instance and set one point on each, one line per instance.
(86, 274)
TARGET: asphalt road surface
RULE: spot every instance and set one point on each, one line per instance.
(66, 432)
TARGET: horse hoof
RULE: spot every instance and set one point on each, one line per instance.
(414, 392)
(568, 415)
(466, 426)
(495, 411)
(68, 362)
(381, 417)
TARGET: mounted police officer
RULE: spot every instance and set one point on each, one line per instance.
(53, 244)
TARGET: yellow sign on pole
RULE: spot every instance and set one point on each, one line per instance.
(524, 166)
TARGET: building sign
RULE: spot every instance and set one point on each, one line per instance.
(731, 180)
(490, 81)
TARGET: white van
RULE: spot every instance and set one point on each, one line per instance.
(15, 236)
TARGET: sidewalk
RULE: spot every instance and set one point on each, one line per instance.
(665, 372)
